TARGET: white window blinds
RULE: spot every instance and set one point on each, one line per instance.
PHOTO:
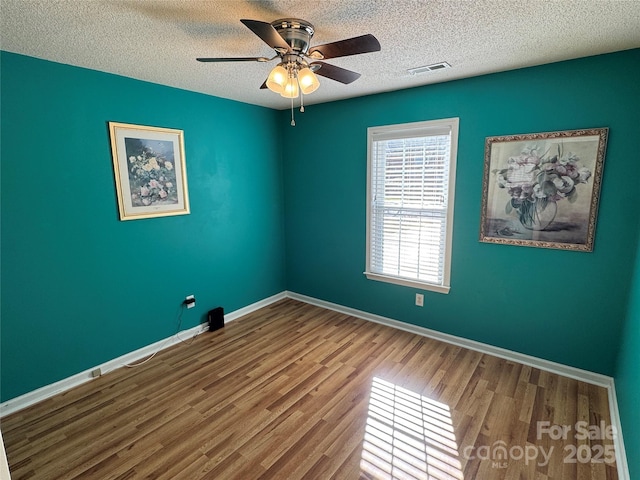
(410, 212)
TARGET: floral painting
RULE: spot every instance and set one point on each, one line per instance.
(542, 190)
(152, 175)
(150, 171)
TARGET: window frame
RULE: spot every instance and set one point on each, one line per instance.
(416, 129)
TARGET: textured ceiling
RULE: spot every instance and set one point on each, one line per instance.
(158, 41)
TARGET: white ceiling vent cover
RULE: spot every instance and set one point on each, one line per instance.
(428, 68)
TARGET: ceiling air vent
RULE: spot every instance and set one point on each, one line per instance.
(428, 68)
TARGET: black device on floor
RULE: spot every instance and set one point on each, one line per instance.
(216, 319)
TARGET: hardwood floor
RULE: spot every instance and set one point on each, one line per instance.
(293, 391)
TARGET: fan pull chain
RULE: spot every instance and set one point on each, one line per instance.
(293, 122)
(301, 102)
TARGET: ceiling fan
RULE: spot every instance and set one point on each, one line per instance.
(291, 38)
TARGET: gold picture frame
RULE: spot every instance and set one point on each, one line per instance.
(150, 171)
(543, 189)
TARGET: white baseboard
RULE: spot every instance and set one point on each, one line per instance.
(241, 312)
(618, 441)
(40, 394)
(553, 367)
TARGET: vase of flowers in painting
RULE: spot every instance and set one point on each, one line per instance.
(537, 181)
(537, 214)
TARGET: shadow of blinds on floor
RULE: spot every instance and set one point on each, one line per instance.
(408, 437)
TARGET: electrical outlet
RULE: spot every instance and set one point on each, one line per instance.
(190, 301)
(420, 299)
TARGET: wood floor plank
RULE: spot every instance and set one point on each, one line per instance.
(294, 391)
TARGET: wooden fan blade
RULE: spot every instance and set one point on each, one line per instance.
(268, 34)
(338, 74)
(264, 85)
(350, 46)
(234, 59)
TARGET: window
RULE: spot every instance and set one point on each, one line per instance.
(411, 180)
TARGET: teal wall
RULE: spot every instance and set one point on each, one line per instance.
(80, 287)
(567, 307)
(628, 376)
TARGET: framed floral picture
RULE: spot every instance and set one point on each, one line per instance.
(150, 171)
(542, 189)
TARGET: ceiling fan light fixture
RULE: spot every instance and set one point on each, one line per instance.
(278, 78)
(308, 81)
(290, 38)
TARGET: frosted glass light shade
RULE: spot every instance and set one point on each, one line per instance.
(291, 89)
(308, 81)
(277, 79)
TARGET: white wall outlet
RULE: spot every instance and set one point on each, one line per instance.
(420, 299)
(190, 301)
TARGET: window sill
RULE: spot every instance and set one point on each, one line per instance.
(408, 282)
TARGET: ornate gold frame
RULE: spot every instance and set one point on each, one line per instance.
(525, 171)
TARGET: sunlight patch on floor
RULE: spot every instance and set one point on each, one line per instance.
(408, 437)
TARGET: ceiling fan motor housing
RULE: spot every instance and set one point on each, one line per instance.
(297, 33)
